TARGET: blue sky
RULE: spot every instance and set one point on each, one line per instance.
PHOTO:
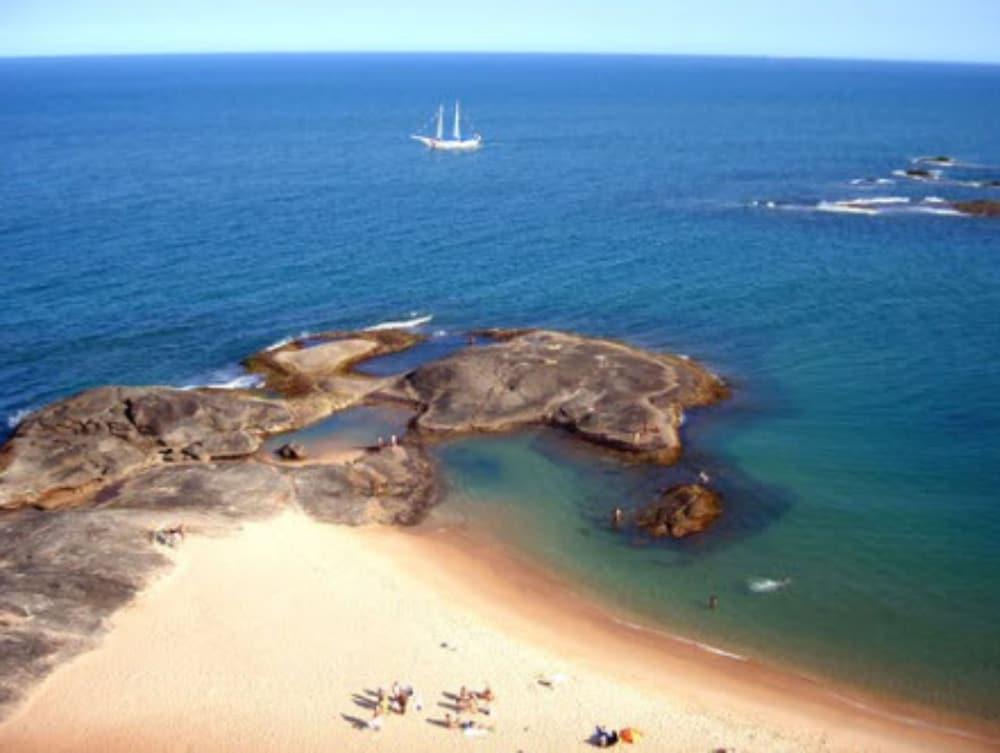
(954, 30)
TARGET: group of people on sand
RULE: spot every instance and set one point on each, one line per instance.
(471, 702)
(396, 701)
(401, 697)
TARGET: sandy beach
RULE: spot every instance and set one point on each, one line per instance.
(275, 638)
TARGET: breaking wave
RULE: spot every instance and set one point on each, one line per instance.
(230, 378)
(416, 321)
(767, 585)
(686, 641)
(285, 340)
(17, 417)
(875, 205)
(873, 182)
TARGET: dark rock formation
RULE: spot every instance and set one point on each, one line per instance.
(682, 510)
(245, 491)
(979, 207)
(71, 448)
(940, 159)
(292, 451)
(62, 574)
(608, 393)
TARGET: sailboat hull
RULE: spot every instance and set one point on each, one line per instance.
(449, 145)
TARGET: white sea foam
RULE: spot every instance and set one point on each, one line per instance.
(416, 321)
(938, 210)
(909, 720)
(686, 641)
(285, 340)
(231, 378)
(875, 200)
(18, 416)
(767, 585)
(841, 208)
(873, 182)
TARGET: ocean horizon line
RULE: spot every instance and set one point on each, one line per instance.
(388, 53)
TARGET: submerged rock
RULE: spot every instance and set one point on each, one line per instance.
(602, 391)
(682, 510)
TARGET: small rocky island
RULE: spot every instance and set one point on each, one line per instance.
(97, 488)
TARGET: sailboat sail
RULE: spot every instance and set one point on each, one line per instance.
(456, 143)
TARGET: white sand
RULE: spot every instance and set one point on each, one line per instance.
(262, 641)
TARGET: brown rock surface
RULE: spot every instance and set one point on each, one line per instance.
(682, 510)
(603, 391)
(394, 485)
(75, 446)
(978, 208)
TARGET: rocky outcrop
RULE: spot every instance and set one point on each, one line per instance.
(132, 469)
(605, 392)
(682, 510)
(978, 208)
(63, 573)
(70, 449)
(393, 485)
(324, 363)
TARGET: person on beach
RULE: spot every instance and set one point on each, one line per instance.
(485, 694)
(451, 722)
(380, 709)
(605, 738)
(713, 601)
(467, 701)
(383, 706)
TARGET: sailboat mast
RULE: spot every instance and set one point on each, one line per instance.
(458, 132)
(440, 123)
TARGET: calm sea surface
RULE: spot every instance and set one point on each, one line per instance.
(162, 217)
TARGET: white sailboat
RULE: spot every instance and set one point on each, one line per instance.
(456, 143)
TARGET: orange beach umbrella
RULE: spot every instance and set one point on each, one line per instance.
(630, 735)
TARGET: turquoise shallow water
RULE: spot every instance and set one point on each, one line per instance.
(160, 218)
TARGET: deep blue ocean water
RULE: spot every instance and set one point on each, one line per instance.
(162, 217)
